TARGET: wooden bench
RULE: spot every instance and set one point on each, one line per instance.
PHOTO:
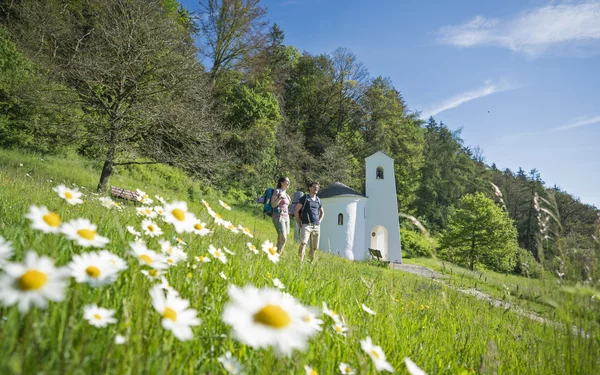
(377, 254)
(124, 194)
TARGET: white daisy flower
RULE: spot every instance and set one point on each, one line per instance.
(176, 256)
(98, 316)
(330, 313)
(376, 354)
(278, 284)
(72, 196)
(160, 199)
(151, 229)
(228, 251)
(217, 218)
(176, 213)
(119, 340)
(146, 212)
(143, 197)
(84, 233)
(43, 219)
(217, 253)
(180, 241)
(153, 274)
(92, 268)
(252, 248)
(310, 371)
(147, 257)
(265, 317)
(205, 203)
(223, 275)
(159, 210)
(202, 258)
(132, 230)
(6, 251)
(245, 230)
(166, 247)
(200, 228)
(175, 313)
(368, 310)
(340, 328)
(312, 323)
(115, 261)
(412, 368)
(346, 369)
(107, 202)
(232, 365)
(229, 225)
(32, 283)
(166, 285)
(225, 205)
(271, 251)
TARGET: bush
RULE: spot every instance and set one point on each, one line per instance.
(527, 265)
(415, 244)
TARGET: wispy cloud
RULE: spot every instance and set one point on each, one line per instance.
(532, 32)
(577, 123)
(573, 124)
(489, 88)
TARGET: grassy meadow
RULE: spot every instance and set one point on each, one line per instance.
(440, 329)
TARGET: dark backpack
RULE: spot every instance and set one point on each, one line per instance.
(267, 208)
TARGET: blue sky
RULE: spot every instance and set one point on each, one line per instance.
(521, 78)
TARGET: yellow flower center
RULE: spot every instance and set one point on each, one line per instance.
(338, 328)
(32, 280)
(145, 258)
(52, 219)
(218, 254)
(170, 314)
(179, 214)
(152, 272)
(151, 228)
(348, 370)
(272, 250)
(202, 258)
(313, 372)
(198, 226)
(218, 216)
(88, 234)
(97, 317)
(307, 318)
(68, 195)
(375, 354)
(93, 271)
(231, 226)
(170, 260)
(273, 316)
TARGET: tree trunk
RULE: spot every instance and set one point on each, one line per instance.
(109, 162)
(472, 251)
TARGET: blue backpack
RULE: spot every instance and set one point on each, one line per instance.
(267, 208)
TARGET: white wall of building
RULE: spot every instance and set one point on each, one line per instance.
(347, 240)
(383, 205)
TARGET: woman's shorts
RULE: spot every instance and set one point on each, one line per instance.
(282, 225)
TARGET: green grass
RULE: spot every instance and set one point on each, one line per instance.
(440, 329)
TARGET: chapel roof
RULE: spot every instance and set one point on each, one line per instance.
(337, 189)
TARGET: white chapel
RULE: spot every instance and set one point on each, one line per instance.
(354, 222)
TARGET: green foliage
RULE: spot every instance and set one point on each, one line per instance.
(526, 264)
(480, 233)
(415, 244)
(34, 114)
